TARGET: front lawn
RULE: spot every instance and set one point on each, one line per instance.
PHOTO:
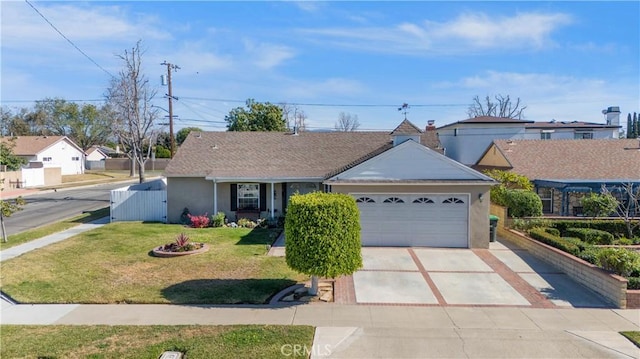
(112, 264)
(633, 336)
(43, 231)
(238, 341)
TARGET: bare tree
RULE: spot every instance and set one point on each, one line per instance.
(502, 107)
(627, 208)
(347, 122)
(129, 98)
(293, 115)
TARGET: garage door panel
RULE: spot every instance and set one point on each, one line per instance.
(414, 220)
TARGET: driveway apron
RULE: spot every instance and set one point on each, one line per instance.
(498, 276)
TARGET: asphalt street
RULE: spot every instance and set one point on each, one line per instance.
(45, 208)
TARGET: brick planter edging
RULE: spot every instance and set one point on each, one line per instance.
(610, 286)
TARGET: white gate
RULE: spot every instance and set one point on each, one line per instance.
(142, 202)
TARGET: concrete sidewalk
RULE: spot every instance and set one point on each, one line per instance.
(361, 331)
(12, 252)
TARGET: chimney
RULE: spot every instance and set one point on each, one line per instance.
(430, 125)
(612, 115)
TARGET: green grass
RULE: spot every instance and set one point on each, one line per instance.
(112, 264)
(238, 341)
(46, 230)
(633, 336)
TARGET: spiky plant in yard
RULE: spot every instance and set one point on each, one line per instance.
(181, 244)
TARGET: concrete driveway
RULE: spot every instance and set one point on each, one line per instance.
(499, 276)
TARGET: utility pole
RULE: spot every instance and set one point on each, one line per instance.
(170, 97)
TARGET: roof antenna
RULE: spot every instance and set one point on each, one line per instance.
(404, 108)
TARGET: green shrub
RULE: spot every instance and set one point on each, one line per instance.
(598, 205)
(578, 242)
(590, 254)
(217, 220)
(617, 227)
(246, 223)
(590, 235)
(634, 283)
(508, 181)
(541, 235)
(623, 241)
(323, 234)
(552, 231)
(523, 224)
(523, 203)
(619, 260)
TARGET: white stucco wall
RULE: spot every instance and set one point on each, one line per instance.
(62, 154)
(469, 143)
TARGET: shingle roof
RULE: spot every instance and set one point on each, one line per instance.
(573, 159)
(406, 128)
(272, 154)
(31, 145)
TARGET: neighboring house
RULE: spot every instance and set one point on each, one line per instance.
(562, 171)
(96, 153)
(52, 151)
(408, 193)
(464, 141)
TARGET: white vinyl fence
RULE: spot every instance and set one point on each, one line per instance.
(141, 202)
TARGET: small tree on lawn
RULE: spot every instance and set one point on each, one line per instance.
(7, 208)
(323, 235)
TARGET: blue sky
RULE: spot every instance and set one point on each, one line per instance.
(565, 60)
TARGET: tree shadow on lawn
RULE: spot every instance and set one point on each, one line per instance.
(260, 236)
(225, 291)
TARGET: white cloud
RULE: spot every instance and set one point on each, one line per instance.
(467, 32)
(22, 26)
(549, 96)
(267, 56)
(483, 31)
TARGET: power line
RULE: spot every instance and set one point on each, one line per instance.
(327, 104)
(66, 38)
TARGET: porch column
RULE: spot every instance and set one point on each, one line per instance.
(273, 200)
(215, 197)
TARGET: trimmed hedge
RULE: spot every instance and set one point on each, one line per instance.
(617, 227)
(541, 235)
(322, 232)
(590, 235)
(634, 283)
(553, 231)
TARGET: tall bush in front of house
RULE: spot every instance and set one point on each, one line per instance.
(508, 181)
(523, 203)
(322, 234)
(599, 205)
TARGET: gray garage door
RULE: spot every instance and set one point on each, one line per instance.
(417, 220)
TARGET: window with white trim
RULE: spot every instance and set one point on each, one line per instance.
(365, 200)
(46, 159)
(248, 196)
(75, 158)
